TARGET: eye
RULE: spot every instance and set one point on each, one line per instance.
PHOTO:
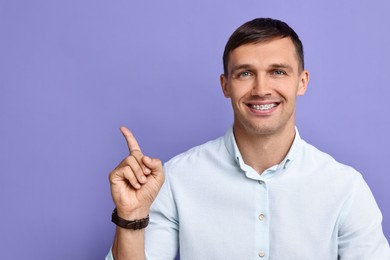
(244, 74)
(278, 72)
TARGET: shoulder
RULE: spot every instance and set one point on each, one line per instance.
(325, 176)
(317, 161)
(198, 155)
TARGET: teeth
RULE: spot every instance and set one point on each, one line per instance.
(263, 107)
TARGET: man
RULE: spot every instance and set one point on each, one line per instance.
(259, 192)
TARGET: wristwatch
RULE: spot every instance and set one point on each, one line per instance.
(132, 224)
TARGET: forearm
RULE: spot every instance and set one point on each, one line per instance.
(129, 244)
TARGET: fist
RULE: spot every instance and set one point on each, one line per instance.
(136, 181)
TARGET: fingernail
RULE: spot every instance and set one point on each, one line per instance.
(143, 178)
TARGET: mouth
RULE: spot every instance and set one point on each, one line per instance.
(264, 107)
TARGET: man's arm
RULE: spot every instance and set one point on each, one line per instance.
(129, 244)
(360, 232)
(135, 183)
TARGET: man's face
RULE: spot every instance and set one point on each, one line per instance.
(263, 82)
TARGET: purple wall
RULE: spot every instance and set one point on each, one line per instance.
(72, 72)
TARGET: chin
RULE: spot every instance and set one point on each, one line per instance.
(260, 129)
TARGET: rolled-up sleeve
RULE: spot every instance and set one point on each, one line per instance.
(109, 256)
(162, 234)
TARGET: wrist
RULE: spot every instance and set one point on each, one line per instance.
(139, 213)
(134, 224)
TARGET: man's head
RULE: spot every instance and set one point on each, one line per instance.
(262, 30)
(263, 63)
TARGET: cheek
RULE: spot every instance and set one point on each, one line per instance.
(238, 91)
(290, 89)
(238, 95)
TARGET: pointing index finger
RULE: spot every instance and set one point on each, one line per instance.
(132, 143)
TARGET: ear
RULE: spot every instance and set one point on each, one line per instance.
(303, 81)
(224, 84)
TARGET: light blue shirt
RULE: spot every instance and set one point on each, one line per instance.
(309, 207)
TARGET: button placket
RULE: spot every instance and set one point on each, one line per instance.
(262, 224)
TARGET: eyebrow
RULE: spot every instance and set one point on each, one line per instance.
(281, 66)
(240, 67)
(284, 66)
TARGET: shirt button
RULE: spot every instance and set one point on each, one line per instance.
(261, 217)
(261, 254)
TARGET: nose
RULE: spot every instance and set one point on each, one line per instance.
(260, 87)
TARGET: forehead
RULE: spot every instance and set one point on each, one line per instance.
(275, 51)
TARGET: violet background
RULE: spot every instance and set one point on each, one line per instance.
(72, 72)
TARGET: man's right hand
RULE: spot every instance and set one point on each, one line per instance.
(136, 181)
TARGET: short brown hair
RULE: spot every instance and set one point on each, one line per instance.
(261, 30)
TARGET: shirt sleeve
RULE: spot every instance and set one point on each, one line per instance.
(360, 231)
(109, 256)
(162, 234)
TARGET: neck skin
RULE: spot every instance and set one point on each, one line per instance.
(264, 151)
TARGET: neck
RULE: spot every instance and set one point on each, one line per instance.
(262, 151)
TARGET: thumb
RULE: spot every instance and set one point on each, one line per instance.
(155, 165)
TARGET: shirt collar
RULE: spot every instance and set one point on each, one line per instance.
(231, 146)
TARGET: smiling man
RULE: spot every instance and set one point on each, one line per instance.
(263, 81)
(260, 191)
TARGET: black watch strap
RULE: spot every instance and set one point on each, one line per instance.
(132, 224)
